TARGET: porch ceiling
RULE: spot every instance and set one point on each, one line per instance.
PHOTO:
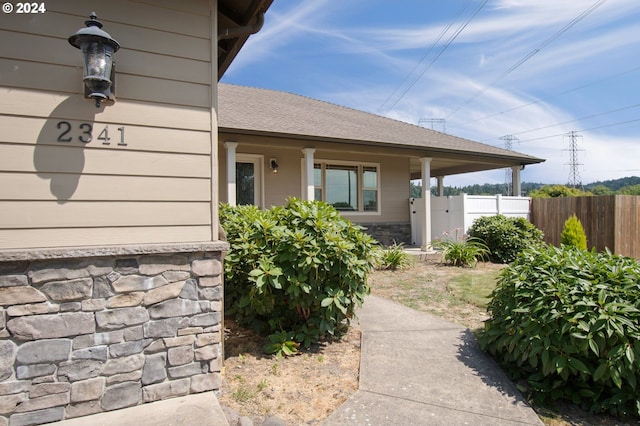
(442, 166)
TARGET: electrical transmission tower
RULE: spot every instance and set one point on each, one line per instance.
(508, 173)
(433, 121)
(574, 172)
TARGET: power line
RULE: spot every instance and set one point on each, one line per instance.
(442, 33)
(583, 130)
(593, 83)
(446, 45)
(578, 119)
(531, 54)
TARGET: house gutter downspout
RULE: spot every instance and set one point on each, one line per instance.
(246, 30)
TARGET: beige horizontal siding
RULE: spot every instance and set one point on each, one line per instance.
(157, 188)
(28, 75)
(65, 237)
(54, 159)
(58, 51)
(50, 214)
(197, 7)
(33, 130)
(44, 186)
(189, 17)
(24, 102)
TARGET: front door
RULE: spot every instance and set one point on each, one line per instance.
(249, 180)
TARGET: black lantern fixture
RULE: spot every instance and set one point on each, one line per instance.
(97, 48)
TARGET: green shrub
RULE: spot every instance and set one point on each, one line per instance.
(299, 269)
(392, 258)
(573, 233)
(504, 236)
(567, 321)
(464, 252)
(551, 191)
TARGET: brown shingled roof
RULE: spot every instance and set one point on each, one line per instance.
(274, 113)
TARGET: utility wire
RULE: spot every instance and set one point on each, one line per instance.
(578, 119)
(446, 45)
(435, 43)
(593, 83)
(582, 130)
(528, 56)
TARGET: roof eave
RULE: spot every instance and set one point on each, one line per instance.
(516, 159)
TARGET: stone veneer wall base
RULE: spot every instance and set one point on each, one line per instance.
(389, 233)
(87, 330)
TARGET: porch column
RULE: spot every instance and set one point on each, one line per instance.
(231, 172)
(308, 192)
(515, 181)
(425, 166)
(440, 186)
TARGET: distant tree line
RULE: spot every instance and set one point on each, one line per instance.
(623, 186)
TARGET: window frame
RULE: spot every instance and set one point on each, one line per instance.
(360, 184)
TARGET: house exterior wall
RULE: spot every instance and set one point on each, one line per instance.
(110, 268)
(391, 223)
(154, 189)
(107, 329)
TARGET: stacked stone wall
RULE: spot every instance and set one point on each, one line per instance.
(83, 335)
(389, 233)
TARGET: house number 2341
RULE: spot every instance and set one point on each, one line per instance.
(84, 132)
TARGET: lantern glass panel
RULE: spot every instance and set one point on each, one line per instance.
(98, 60)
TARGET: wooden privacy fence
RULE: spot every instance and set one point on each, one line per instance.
(610, 221)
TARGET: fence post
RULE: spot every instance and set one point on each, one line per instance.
(499, 203)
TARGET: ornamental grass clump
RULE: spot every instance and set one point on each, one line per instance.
(297, 271)
(567, 322)
(463, 252)
(392, 258)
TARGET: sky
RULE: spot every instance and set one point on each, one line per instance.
(522, 72)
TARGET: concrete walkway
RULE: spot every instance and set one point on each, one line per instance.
(201, 409)
(417, 369)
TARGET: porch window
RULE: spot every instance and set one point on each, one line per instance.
(346, 186)
(370, 188)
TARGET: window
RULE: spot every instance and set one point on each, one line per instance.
(347, 187)
(249, 179)
(370, 189)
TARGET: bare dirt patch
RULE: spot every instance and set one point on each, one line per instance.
(303, 389)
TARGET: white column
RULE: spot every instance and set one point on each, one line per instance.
(516, 184)
(425, 163)
(309, 190)
(440, 186)
(231, 172)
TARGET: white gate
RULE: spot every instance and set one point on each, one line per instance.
(457, 213)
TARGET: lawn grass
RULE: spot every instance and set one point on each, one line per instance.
(473, 288)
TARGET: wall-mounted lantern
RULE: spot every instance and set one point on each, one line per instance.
(273, 163)
(97, 48)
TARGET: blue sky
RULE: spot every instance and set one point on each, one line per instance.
(534, 69)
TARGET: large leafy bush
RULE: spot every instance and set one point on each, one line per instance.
(567, 321)
(300, 268)
(505, 237)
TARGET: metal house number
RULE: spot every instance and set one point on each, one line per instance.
(84, 133)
